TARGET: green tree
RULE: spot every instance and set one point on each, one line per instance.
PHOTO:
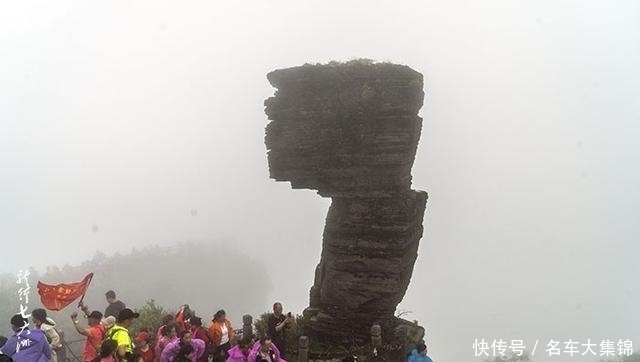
(150, 316)
(260, 325)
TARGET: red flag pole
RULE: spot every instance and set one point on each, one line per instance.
(90, 275)
(56, 297)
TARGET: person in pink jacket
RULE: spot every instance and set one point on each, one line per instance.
(239, 352)
(169, 335)
(166, 320)
(172, 349)
(264, 351)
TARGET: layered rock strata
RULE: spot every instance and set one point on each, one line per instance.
(350, 131)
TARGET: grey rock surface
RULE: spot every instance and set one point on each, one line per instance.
(350, 131)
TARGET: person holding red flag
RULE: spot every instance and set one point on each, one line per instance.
(94, 333)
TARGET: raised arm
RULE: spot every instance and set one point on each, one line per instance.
(84, 308)
(81, 330)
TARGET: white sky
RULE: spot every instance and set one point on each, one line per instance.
(128, 115)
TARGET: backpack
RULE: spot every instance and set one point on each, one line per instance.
(52, 327)
(110, 334)
(106, 335)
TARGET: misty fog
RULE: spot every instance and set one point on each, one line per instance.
(134, 124)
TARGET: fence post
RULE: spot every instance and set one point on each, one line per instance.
(247, 326)
(376, 335)
(303, 349)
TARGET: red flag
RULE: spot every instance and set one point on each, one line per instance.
(56, 297)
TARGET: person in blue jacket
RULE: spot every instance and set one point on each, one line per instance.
(419, 354)
(26, 345)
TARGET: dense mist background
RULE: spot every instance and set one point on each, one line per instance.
(129, 124)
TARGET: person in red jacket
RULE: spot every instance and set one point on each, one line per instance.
(182, 318)
(198, 332)
(143, 348)
(94, 333)
(221, 332)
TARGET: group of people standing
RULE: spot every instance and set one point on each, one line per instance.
(179, 338)
(27, 344)
(39, 344)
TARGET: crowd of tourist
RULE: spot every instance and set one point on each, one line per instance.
(179, 338)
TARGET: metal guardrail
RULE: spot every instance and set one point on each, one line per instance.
(67, 347)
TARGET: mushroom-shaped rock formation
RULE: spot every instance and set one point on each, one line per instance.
(350, 131)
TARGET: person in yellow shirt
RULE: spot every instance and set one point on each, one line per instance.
(120, 333)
